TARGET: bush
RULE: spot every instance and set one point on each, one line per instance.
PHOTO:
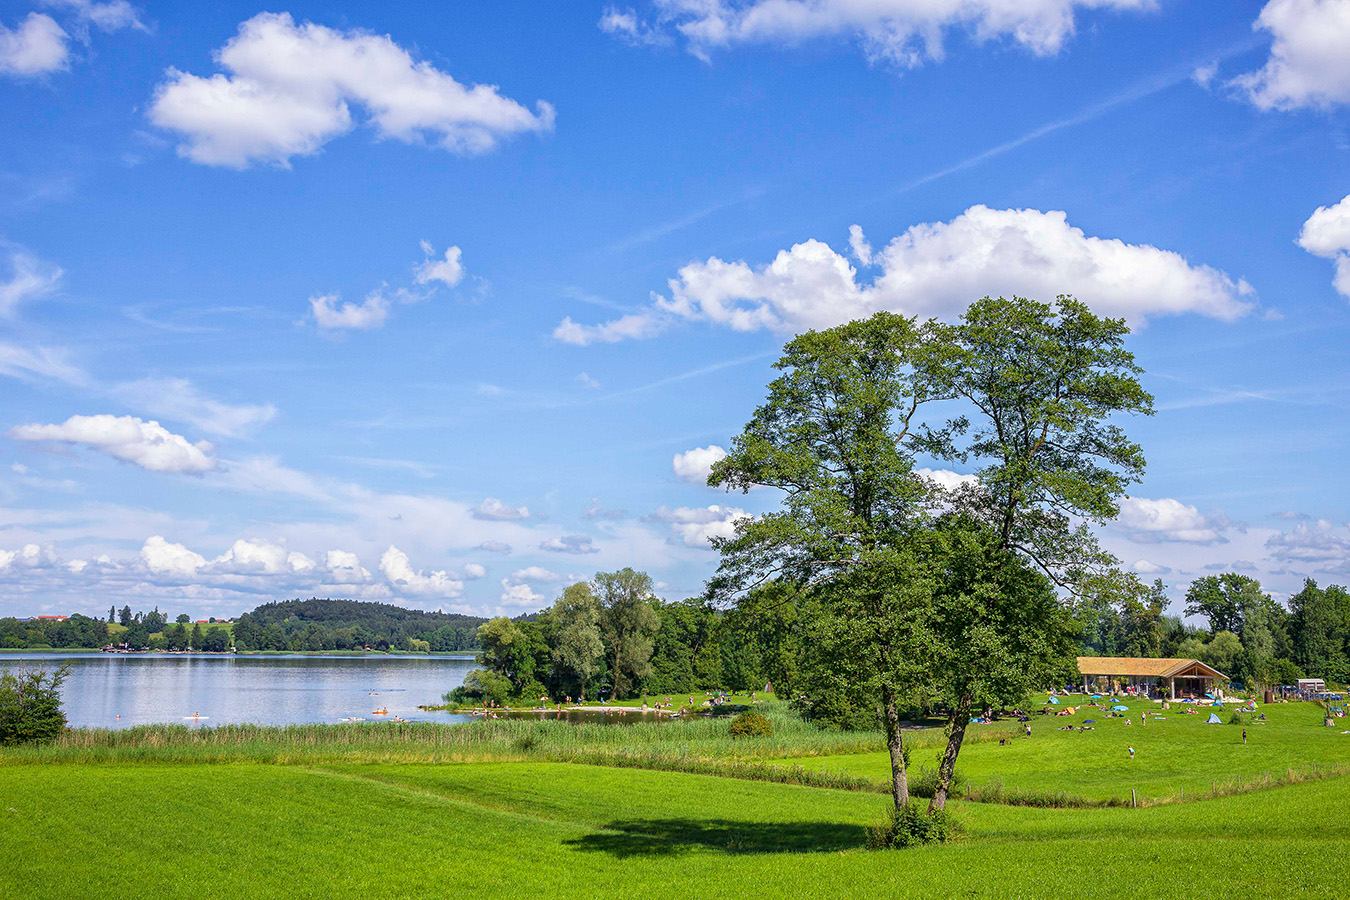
(30, 706)
(910, 827)
(751, 724)
(481, 685)
(1238, 718)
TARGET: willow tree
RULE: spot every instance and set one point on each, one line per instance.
(1045, 385)
(834, 435)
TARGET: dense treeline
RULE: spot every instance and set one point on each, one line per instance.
(322, 624)
(1251, 637)
(613, 638)
(77, 632)
(136, 631)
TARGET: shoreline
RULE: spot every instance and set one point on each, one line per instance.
(57, 651)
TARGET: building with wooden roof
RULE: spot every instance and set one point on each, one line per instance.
(1171, 678)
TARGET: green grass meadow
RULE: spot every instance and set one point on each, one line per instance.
(371, 812)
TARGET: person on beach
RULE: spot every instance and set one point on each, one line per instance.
(1244, 735)
(1131, 753)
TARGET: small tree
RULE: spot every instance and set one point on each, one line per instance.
(30, 706)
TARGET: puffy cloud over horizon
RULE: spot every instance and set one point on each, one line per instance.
(289, 91)
(935, 269)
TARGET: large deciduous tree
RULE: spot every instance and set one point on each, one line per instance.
(835, 435)
(1044, 385)
(629, 625)
(578, 652)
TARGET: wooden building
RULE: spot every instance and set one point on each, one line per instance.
(1170, 678)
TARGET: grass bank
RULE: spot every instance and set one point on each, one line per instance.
(507, 830)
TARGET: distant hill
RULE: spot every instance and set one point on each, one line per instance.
(358, 612)
(326, 624)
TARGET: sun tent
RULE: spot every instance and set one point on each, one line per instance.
(1213, 720)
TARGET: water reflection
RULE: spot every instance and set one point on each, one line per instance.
(118, 691)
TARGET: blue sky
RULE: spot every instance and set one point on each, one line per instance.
(449, 304)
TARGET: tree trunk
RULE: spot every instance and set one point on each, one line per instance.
(895, 743)
(614, 682)
(959, 720)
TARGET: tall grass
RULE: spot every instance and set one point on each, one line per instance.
(697, 739)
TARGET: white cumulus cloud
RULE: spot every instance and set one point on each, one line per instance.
(494, 510)
(903, 32)
(1309, 64)
(519, 595)
(398, 570)
(256, 556)
(1167, 519)
(623, 328)
(448, 270)
(330, 316)
(1327, 234)
(578, 544)
(288, 89)
(937, 269)
(695, 465)
(146, 444)
(167, 558)
(695, 526)
(947, 479)
(36, 46)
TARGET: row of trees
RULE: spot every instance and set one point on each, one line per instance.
(612, 637)
(140, 630)
(1251, 637)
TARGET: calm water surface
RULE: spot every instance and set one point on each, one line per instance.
(117, 690)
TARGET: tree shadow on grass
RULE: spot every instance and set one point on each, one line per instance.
(672, 837)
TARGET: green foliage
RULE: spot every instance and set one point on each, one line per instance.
(577, 650)
(30, 706)
(323, 624)
(629, 624)
(911, 826)
(751, 724)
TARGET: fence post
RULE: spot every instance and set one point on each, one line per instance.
(1134, 800)
(1183, 793)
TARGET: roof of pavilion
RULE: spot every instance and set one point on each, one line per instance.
(1143, 667)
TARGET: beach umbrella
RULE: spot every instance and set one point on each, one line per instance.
(1089, 721)
(1210, 696)
(1054, 700)
(1121, 708)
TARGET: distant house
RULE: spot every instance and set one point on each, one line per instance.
(1312, 685)
(1157, 677)
(52, 618)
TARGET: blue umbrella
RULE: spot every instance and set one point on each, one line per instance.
(1121, 708)
(1054, 700)
(1089, 721)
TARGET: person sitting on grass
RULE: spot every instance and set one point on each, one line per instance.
(1131, 753)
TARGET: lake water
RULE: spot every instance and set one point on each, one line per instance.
(113, 690)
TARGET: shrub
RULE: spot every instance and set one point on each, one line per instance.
(1238, 718)
(910, 827)
(751, 724)
(30, 706)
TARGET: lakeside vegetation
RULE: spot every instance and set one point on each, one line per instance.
(661, 810)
